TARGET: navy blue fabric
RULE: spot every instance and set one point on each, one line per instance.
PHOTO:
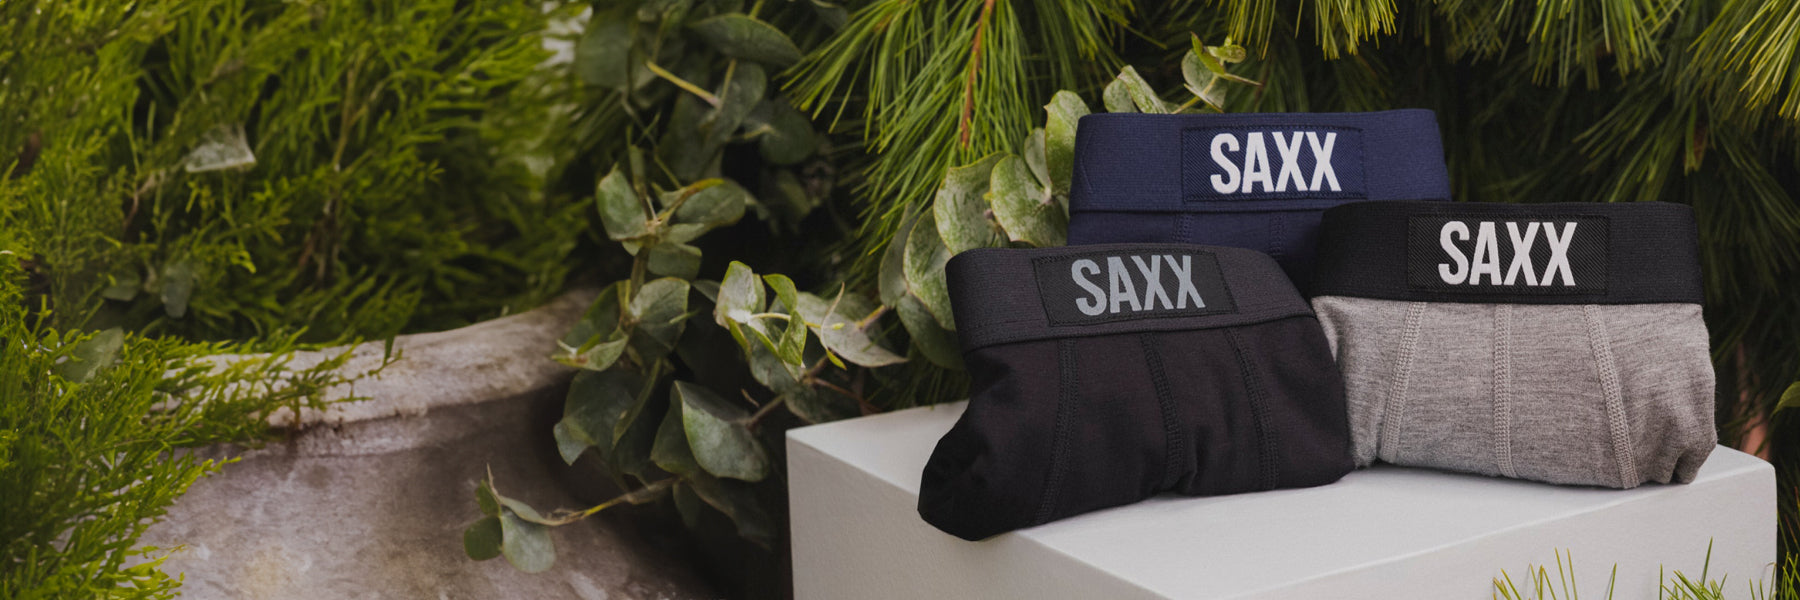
(1247, 180)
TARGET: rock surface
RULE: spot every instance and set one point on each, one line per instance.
(374, 507)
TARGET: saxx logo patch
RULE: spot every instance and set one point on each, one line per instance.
(1529, 255)
(1255, 163)
(1098, 287)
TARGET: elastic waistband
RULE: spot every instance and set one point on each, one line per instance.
(1003, 295)
(1574, 253)
(1255, 161)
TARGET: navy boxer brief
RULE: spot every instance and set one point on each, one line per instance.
(1248, 180)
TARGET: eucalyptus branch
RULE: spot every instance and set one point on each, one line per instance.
(684, 84)
(637, 496)
(764, 411)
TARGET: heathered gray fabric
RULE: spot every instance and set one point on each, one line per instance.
(1606, 395)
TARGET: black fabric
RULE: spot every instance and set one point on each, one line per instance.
(1625, 253)
(1069, 418)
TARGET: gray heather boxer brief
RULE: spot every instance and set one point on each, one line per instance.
(1553, 342)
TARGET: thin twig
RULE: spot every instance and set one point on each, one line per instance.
(683, 84)
(968, 107)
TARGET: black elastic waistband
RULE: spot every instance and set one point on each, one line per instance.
(1255, 161)
(1575, 253)
(1003, 295)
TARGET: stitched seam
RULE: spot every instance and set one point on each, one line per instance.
(1608, 370)
(1503, 414)
(1265, 432)
(1059, 443)
(1172, 440)
(1393, 415)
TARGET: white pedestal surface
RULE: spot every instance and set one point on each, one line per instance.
(1384, 532)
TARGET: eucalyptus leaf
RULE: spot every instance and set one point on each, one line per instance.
(1117, 98)
(603, 54)
(660, 310)
(737, 98)
(821, 405)
(772, 372)
(636, 436)
(937, 344)
(839, 332)
(1065, 111)
(601, 318)
(595, 410)
(1024, 208)
(892, 276)
(961, 210)
(736, 500)
(670, 451)
(740, 296)
(924, 267)
(1142, 95)
(1034, 157)
(689, 505)
(92, 354)
(482, 540)
(177, 286)
(738, 35)
(570, 442)
(717, 436)
(598, 357)
(792, 345)
(620, 210)
(674, 259)
(1199, 81)
(1789, 398)
(486, 499)
(718, 203)
(526, 544)
(784, 136)
(1231, 53)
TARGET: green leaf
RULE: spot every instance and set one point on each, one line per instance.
(1034, 157)
(721, 444)
(570, 442)
(670, 450)
(598, 357)
(1026, 210)
(740, 297)
(924, 267)
(526, 544)
(792, 345)
(784, 136)
(892, 278)
(177, 285)
(738, 501)
(689, 505)
(937, 344)
(601, 318)
(740, 36)
(603, 55)
(821, 405)
(717, 203)
(674, 259)
(481, 541)
(91, 355)
(737, 99)
(772, 372)
(1065, 111)
(961, 210)
(1199, 81)
(1118, 98)
(620, 210)
(661, 311)
(1142, 95)
(1789, 398)
(597, 410)
(839, 332)
(487, 499)
(1231, 53)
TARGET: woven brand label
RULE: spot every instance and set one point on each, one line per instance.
(1105, 286)
(1271, 162)
(1523, 255)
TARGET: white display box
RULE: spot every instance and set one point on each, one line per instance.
(1385, 532)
